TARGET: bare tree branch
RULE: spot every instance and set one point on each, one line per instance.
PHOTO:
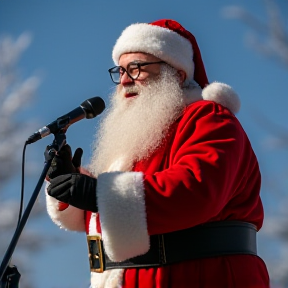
(269, 38)
(15, 95)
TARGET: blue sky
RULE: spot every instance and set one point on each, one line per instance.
(70, 51)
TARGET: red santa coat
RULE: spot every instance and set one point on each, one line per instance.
(205, 171)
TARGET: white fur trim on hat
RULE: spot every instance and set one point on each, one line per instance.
(161, 42)
(121, 204)
(223, 94)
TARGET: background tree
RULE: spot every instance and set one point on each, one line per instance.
(270, 38)
(15, 95)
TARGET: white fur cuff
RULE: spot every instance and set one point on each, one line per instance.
(121, 204)
(71, 218)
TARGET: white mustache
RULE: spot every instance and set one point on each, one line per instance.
(131, 89)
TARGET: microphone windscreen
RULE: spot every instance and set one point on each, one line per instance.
(93, 107)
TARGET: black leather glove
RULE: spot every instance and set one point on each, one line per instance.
(78, 190)
(63, 163)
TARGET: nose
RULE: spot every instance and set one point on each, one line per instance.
(126, 80)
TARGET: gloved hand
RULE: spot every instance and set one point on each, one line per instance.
(78, 190)
(63, 163)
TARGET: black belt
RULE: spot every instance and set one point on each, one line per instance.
(203, 241)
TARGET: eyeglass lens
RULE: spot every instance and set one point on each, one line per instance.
(132, 71)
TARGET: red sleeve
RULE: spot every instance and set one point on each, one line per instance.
(212, 174)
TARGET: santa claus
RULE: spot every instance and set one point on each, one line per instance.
(171, 196)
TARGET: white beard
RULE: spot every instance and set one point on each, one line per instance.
(135, 127)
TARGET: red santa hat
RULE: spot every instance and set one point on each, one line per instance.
(172, 43)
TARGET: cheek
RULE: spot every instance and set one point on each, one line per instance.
(151, 75)
(145, 75)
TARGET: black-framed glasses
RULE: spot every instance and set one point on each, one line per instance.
(133, 70)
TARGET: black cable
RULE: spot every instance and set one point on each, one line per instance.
(23, 218)
(22, 184)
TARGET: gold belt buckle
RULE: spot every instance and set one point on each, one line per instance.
(96, 254)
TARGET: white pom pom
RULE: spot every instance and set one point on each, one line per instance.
(223, 94)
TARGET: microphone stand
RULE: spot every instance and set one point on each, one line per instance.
(9, 275)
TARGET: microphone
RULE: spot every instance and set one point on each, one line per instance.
(88, 109)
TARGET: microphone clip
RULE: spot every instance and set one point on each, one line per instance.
(58, 142)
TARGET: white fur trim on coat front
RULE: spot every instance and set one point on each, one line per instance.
(122, 210)
(161, 42)
(71, 218)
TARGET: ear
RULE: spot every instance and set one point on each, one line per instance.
(182, 76)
